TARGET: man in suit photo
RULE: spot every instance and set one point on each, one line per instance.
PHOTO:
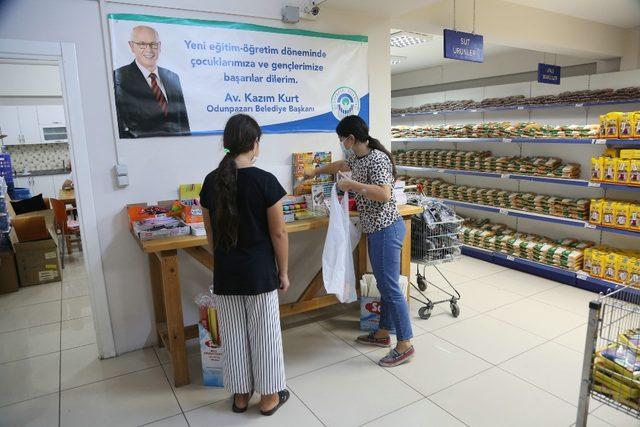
(149, 100)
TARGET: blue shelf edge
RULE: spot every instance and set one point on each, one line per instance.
(569, 277)
(618, 143)
(518, 107)
(620, 187)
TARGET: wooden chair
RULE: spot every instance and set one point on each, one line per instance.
(68, 229)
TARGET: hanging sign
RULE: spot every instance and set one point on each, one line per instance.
(176, 76)
(549, 74)
(463, 46)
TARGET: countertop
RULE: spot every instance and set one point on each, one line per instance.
(44, 172)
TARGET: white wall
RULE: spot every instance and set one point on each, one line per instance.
(158, 165)
(22, 80)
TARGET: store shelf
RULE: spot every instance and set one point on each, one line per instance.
(518, 107)
(617, 186)
(538, 217)
(512, 176)
(578, 279)
(628, 143)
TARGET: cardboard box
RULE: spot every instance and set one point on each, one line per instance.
(211, 356)
(35, 246)
(142, 211)
(8, 272)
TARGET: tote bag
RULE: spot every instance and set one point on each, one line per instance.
(337, 258)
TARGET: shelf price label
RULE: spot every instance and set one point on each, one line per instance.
(599, 141)
(520, 107)
(579, 105)
(581, 276)
(511, 258)
(440, 170)
(504, 211)
(594, 184)
(506, 139)
(589, 226)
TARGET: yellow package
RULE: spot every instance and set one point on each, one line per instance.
(586, 259)
(608, 213)
(621, 214)
(623, 167)
(634, 278)
(596, 169)
(608, 169)
(595, 211)
(634, 216)
(634, 172)
(629, 153)
(635, 121)
(597, 263)
(603, 126)
(625, 125)
(624, 268)
(612, 124)
(609, 266)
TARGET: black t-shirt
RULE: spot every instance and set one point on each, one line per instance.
(250, 267)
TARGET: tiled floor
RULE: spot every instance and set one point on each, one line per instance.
(512, 358)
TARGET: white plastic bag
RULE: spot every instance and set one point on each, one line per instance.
(337, 258)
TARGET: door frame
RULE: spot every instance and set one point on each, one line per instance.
(64, 54)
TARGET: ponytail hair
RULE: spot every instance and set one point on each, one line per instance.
(356, 126)
(240, 135)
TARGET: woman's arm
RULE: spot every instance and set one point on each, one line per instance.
(378, 193)
(280, 241)
(331, 168)
(207, 227)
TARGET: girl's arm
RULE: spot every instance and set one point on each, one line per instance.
(378, 193)
(207, 227)
(330, 169)
(280, 241)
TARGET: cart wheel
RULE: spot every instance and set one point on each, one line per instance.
(422, 284)
(424, 312)
(455, 309)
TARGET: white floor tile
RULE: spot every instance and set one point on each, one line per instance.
(75, 308)
(195, 395)
(519, 282)
(175, 421)
(352, 392)
(40, 412)
(421, 413)
(74, 288)
(292, 414)
(193, 347)
(472, 267)
(29, 378)
(496, 398)
(31, 295)
(435, 366)
(441, 316)
(488, 338)
(574, 339)
(29, 316)
(311, 347)
(615, 417)
(538, 318)
(569, 298)
(30, 342)
(552, 367)
(81, 365)
(483, 297)
(592, 421)
(78, 332)
(129, 400)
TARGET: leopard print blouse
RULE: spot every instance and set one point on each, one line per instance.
(374, 168)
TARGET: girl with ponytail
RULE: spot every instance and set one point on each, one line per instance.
(372, 180)
(242, 211)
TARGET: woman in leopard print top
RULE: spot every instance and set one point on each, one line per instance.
(372, 180)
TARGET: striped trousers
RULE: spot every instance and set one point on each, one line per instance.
(252, 343)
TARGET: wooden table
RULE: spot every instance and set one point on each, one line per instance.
(167, 300)
(67, 196)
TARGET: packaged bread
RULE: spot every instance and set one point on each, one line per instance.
(596, 169)
(595, 211)
(634, 172)
(609, 266)
(621, 214)
(608, 213)
(625, 125)
(623, 168)
(634, 216)
(624, 267)
(608, 169)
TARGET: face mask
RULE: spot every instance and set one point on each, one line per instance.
(348, 152)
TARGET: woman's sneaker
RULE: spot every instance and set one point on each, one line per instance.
(395, 359)
(372, 340)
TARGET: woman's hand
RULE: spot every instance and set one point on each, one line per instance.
(284, 282)
(309, 173)
(344, 183)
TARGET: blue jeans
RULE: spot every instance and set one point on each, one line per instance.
(384, 253)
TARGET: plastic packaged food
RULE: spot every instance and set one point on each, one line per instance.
(596, 169)
(612, 124)
(621, 214)
(586, 260)
(625, 125)
(595, 211)
(635, 122)
(608, 213)
(609, 266)
(623, 167)
(597, 263)
(634, 216)
(634, 172)
(624, 267)
(634, 279)
(608, 169)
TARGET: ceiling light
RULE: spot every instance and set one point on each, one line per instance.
(405, 39)
(395, 59)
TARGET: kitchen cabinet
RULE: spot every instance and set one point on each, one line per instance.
(29, 126)
(9, 125)
(38, 185)
(51, 115)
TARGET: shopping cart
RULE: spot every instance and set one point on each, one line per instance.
(434, 240)
(611, 366)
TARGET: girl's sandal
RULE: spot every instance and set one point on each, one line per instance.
(237, 409)
(283, 396)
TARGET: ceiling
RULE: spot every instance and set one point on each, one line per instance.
(619, 13)
(379, 8)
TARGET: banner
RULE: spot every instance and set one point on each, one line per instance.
(187, 77)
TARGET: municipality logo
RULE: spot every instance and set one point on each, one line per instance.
(345, 102)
